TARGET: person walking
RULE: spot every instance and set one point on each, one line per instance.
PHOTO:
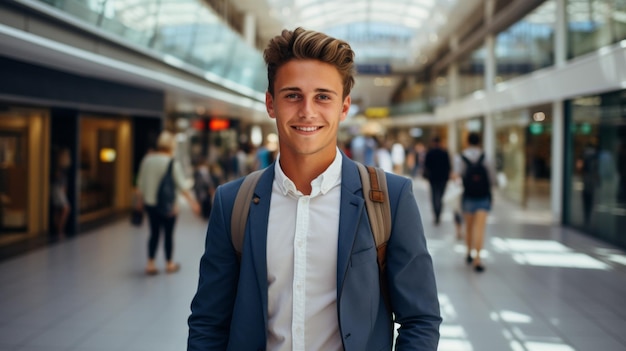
(437, 170)
(308, 277)
(152, 169)
(61, 208)
(203, 186)
(478, 176)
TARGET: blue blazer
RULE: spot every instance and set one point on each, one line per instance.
(229, 310)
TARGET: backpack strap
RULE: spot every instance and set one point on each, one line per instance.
(466, 160)
(376, 195)
(374, 184)
(241, 207)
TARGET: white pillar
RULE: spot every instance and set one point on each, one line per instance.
(490, 43)
(249, 28)
(453, 94)
(490, 63)
(558, 118)
(453, 145)
(560, 34)
(489, 133)
(489, 137)
(556, 175)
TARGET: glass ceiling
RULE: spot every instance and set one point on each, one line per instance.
(382, 32)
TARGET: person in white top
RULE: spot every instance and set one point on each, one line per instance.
(398, 157)
(151, 170)
(308, 277)
(478, 176)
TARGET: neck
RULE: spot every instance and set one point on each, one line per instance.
(302, 169)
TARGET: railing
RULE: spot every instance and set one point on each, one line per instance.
(188, 30)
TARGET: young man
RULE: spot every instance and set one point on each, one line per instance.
(308, 277)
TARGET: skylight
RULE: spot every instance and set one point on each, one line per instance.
(400, 28)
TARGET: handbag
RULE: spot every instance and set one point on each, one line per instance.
(136, 217)
(453, 193)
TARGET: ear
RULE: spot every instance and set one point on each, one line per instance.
(345, 107)
(269, 104)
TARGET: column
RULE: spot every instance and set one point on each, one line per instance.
(560, 34)
(453, 94)
(558, 162)
(489, 140)
(558, 118)
(249, 29)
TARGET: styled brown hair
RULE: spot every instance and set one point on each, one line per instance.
(301, 44)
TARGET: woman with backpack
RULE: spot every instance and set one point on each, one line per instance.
(478, 177)
(159, 181)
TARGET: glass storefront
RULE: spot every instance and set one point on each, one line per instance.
(510, 154)
(595, 191)
(593, 24)
(523, 155)
(23, 174)
(528, 45)
(103, 166)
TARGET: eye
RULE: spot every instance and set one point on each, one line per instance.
(323, 97)
(292, 96)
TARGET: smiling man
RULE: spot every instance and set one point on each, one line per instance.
(308, 277)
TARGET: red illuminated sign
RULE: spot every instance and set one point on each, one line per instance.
(219, 124)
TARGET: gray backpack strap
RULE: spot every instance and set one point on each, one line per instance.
(241, 208)
(376, 196)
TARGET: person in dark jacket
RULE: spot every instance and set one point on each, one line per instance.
(437, 171)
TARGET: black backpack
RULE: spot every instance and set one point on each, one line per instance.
(166, 194)
(476, 182)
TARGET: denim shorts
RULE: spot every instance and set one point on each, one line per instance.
(471, 205)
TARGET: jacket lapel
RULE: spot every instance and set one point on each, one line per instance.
(256, 230)
(350, 211)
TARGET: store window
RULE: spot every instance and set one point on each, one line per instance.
(13, 176)
(528, 45)
(510, 153)
(98, 157)
(593, 24)
(523, 155)
(23, 174)
(596, 166)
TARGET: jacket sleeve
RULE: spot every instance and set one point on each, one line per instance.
(411, 278)
(212, 305)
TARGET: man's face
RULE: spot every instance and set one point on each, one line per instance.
(308, 106)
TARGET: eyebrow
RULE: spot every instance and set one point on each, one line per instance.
(318, 90)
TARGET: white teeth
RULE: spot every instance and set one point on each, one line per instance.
(307, 129)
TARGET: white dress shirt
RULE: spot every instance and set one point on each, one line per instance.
(302, 239)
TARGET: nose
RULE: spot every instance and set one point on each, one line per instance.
(307, 109)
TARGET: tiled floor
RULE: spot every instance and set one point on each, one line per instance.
(545, 288)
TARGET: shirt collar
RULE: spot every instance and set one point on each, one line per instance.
(321, 185)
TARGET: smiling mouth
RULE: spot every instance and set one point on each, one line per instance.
(307, 129)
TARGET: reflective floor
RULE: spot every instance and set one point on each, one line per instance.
(545, 288)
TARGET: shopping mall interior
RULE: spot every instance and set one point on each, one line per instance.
(89, 85)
